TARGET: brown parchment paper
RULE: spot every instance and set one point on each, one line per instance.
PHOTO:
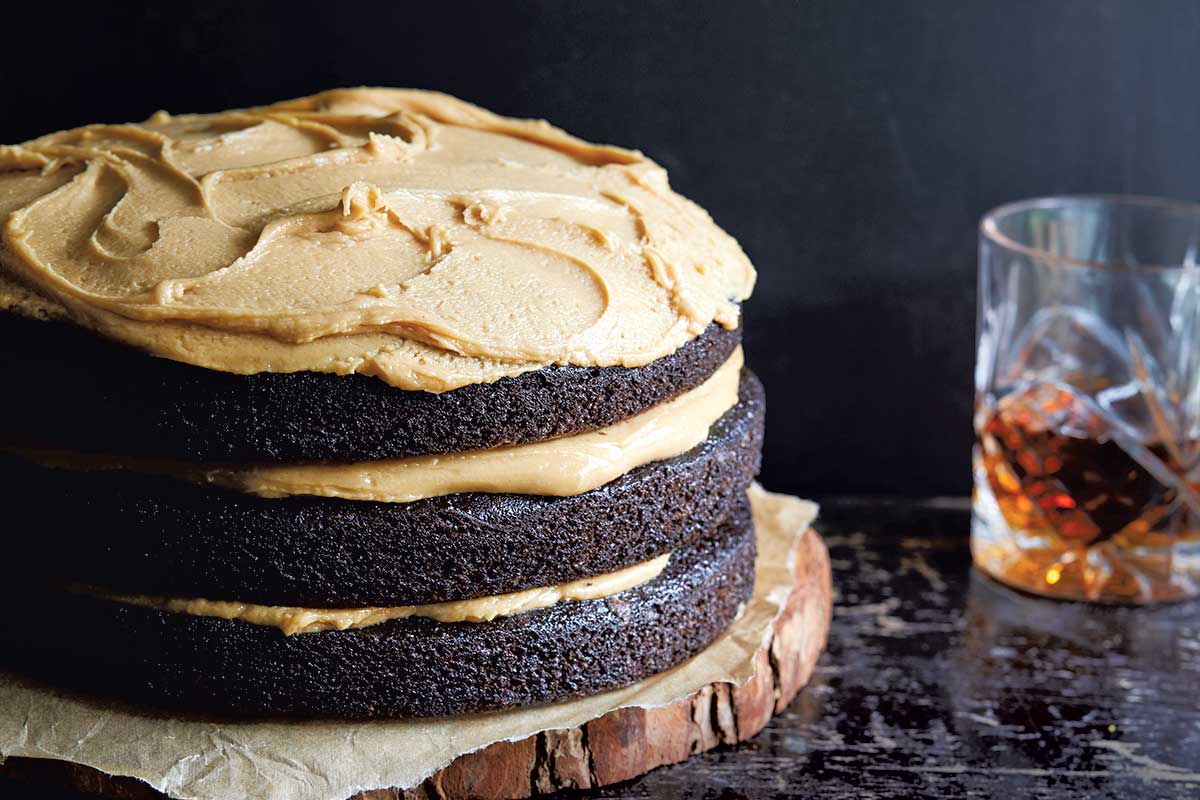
(322, 760)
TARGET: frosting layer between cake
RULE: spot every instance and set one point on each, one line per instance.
(292, 620)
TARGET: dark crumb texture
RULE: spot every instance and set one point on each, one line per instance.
(138, 534)
(402, 668)
(78, 391)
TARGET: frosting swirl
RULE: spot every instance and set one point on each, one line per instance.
(402, 234)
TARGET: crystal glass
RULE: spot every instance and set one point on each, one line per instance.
(1088, 398)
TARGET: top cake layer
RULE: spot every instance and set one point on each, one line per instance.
(401, 234)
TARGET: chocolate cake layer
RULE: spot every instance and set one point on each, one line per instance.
(84, 393)
(409, 667)
(140, 534)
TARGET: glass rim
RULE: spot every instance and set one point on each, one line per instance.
(991, 231)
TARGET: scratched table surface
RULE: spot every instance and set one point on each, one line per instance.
(939, 683)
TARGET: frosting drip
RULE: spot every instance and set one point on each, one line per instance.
(402, 234)
(292, 619)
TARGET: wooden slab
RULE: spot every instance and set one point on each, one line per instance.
(618, 746)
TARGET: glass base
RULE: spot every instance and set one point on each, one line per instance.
(1044, 563)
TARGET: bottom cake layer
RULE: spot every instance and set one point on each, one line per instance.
(401, 668)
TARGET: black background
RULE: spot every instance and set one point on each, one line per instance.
(850, 147)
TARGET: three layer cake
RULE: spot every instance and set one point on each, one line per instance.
(367, 404)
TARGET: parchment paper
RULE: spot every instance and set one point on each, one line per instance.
(205, 760)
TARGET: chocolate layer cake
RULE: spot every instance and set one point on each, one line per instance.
(367, 404)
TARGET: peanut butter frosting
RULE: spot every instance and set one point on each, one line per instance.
(396, 233)
(561, 467)
(292, 620)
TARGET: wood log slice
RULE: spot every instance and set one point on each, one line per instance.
(615, 747)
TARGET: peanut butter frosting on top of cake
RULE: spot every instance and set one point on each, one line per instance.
(396, 233)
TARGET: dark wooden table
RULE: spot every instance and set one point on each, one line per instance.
(941, 683)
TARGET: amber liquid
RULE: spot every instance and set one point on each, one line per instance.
(1092, 521)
